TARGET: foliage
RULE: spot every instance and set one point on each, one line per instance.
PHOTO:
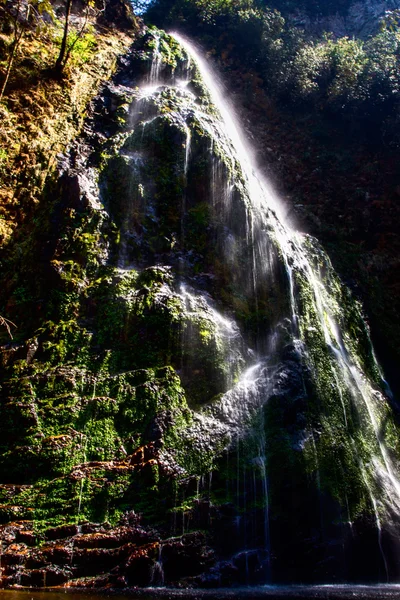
(81, 46)
(140, 6)
(39, 114)
(23, 16)
(349, 77)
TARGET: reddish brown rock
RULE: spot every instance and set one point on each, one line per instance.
(186, 556)
(15, 554)
(58, 533)
(58, 554)
(139, 567)
(98, 555)
(26, 537)
(9, 532)
(113, 539)
(143, 454)
(33, 578)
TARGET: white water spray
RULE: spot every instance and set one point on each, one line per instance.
(297, 259)
(155, 63)
(268, 239)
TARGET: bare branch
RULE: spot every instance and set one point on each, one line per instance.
(6, 323)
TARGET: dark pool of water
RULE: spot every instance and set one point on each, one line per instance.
(327, 592)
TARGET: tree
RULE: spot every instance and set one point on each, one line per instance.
(65, 49)
(60, 62)
(20, 22)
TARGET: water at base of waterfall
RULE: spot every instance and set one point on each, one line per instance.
(269, 592)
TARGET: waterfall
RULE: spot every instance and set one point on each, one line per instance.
(203, 396)
(276, 435)
(155, 62)
(315, 315)
(157, 575)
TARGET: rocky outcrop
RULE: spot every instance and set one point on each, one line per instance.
(98, 556)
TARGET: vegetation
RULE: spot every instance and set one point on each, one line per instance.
(347, 77)
(100, 380)
(41, 113)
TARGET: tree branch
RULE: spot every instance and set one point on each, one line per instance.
(6, 323)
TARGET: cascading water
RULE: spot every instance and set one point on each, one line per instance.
(310, 344)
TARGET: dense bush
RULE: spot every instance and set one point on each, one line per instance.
(351, 78)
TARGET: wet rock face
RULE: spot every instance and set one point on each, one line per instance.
(171, 386)
(116, 557)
